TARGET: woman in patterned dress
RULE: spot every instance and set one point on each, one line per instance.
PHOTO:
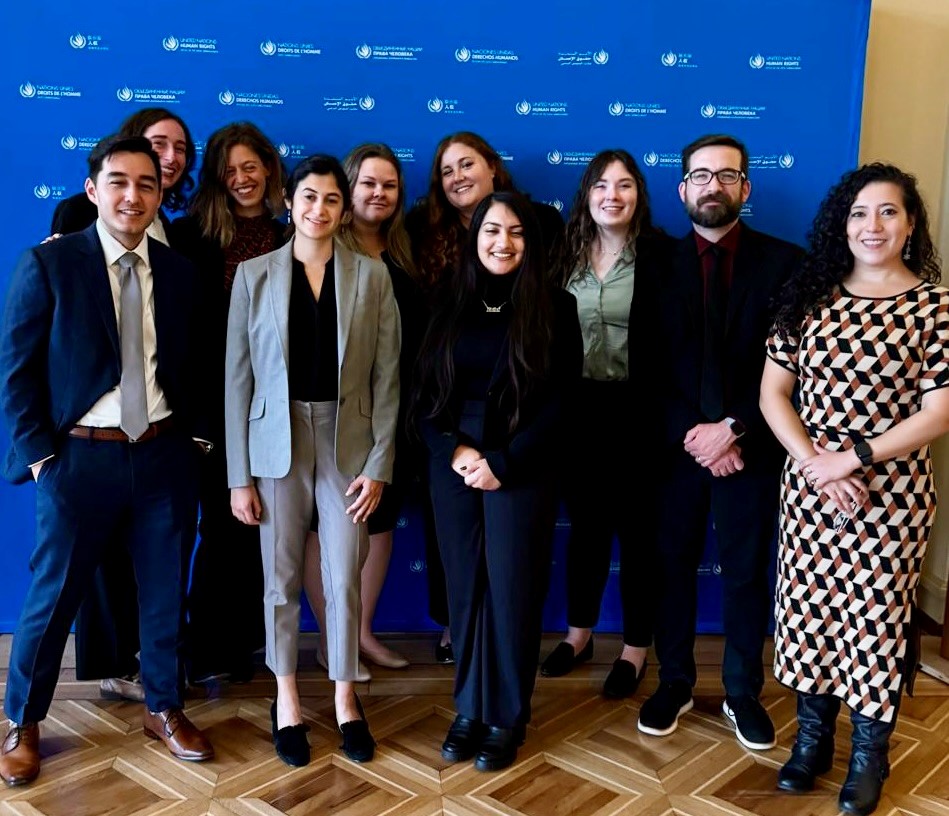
(854, 388)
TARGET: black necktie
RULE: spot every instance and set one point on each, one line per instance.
(712, 398)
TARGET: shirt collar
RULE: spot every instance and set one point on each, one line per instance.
(728, 242)
(113, 250)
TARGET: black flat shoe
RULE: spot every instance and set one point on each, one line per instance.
(499, 747)
(290, 741)
(622, 681)
(444, 654)
(563, 660)
(463, 740)
(358, 743)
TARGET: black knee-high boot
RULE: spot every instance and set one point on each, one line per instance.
(869, 764)
(813, 751)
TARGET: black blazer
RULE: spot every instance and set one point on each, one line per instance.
(77, 212)
(762, 264)
(59, 343)
(525, 454)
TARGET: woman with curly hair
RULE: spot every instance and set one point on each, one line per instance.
(613, 263)
(855, 390)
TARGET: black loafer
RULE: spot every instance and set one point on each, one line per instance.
(622, 681)
(444, 654)
(563, 660)
(499, 747)
(358, 743)
(463, 739)
(290, 741)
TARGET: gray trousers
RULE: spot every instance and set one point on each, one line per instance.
(287, 509)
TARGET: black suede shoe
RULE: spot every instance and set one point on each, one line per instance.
(622, 681)
(463, 739)
(290, 741)
(358, 743)
(499, 747)
(563, 660)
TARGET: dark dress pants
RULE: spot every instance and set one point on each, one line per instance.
(744, 510)
(90, 494)
(603, 502)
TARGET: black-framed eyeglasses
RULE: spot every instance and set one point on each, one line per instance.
(701, 177)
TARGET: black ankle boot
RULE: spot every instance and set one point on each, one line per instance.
(813, 751)
(869, 765)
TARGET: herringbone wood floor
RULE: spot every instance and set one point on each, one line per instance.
(583, 755)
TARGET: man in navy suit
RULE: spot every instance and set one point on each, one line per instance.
(101, 413)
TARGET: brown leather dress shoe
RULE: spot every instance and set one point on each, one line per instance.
(180, 735)
(20, 755)
(122, 688)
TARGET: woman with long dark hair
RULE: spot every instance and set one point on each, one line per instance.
(613, 262)
(855, 388)
(312, 373)
(232, 218)
(502, 353)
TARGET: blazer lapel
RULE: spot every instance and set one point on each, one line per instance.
(690, 279)
(347, 285)
(743, 274)
(279, 279)
(96, 277)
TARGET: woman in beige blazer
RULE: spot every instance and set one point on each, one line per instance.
(312, 377)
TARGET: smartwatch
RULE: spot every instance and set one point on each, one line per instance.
(864, 453)
(737, 426)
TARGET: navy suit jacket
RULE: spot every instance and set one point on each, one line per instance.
(59, 343)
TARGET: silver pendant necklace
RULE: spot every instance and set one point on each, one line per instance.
(493, 309)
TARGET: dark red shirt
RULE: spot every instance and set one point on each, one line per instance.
(727, 247)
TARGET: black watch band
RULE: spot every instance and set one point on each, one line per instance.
(864, 453)
(737, 426)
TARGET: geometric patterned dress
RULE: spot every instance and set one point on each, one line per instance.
(845, 587)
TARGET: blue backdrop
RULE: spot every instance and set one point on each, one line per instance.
(548, 84)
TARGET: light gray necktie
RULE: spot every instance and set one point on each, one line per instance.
(134, 409)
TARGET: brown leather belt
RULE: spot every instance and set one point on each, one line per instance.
(118, 435)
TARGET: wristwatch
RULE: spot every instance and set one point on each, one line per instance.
(864, 453)
(737, 426)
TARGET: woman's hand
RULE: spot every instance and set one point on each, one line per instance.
(480, 477)
(463, 458)
(828, 466)
(245, 504)
(848, 494)
(370, 492)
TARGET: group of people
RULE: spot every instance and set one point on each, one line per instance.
(286, 386)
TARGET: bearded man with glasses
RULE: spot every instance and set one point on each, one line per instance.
(720, 460)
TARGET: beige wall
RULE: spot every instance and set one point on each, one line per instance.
(906, 121)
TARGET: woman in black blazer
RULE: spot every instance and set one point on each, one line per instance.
(502, 352)
(231, 219)
(613, 261)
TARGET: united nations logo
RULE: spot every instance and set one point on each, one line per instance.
(416, 565)
(651, 159)
(69, 142)
(786, 161)
(557, 204)
(707, 111)
(125, 94)
(617, 108)
(363, 51)
(170, 43)
(669, 59)
(462, 54)
(42, 191)
(27, 90)
(268, 48)
(77, 41)
(402, 523)
(554, 157)
(756, 61)
(601, 57)
(283, 149)
(523, 107)
(225, 98)
(367, 103)
(435, 105)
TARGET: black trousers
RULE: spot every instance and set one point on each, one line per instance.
(496, 548)
(603, 502)
(743, 507)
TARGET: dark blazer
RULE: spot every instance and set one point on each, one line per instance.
(524, 454)
(59, 343)
(77, 212)
(762, 264)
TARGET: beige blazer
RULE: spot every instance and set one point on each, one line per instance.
(257, 403)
